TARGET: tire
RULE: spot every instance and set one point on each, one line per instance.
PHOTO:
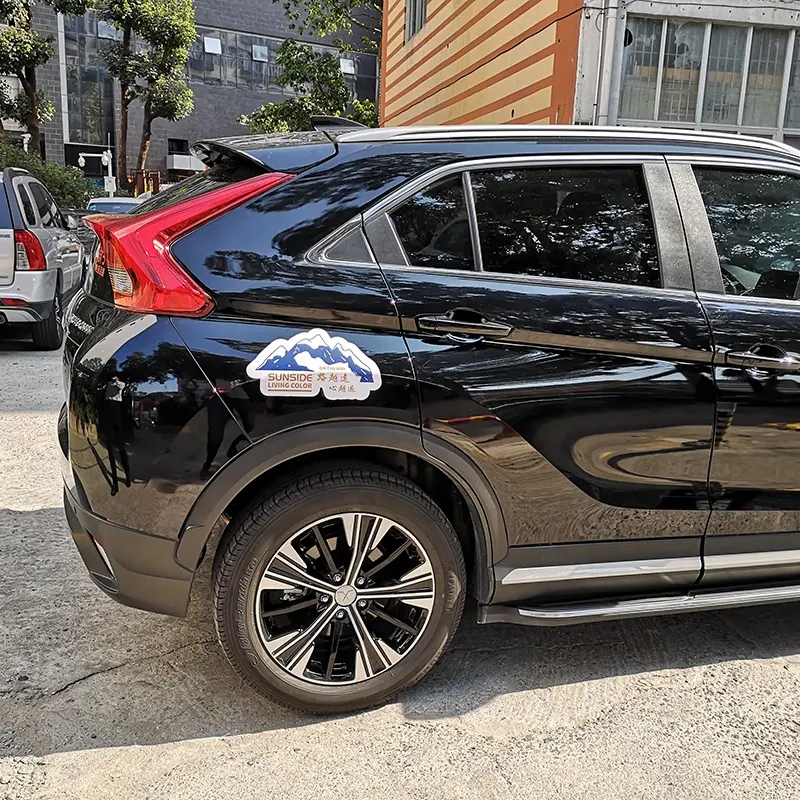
(49, 333)
(316, 656)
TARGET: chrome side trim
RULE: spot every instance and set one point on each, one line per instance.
(648, 607)
(607, 569)
(767, 558)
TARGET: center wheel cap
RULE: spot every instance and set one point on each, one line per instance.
(345, 596)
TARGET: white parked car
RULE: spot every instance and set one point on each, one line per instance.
(41, 258)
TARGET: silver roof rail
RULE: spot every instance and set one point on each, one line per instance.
(434, 132)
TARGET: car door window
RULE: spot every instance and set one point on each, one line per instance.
(48, 211)
(755, 222)
(580, 223)
(433, 226)
(26, 203)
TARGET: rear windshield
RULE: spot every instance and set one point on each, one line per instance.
(221, 174)
(110, 207)
(5, 214)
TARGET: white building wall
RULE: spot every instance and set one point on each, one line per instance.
(601, 52)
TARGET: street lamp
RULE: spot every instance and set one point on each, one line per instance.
(107, 160)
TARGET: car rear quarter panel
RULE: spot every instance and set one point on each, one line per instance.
(161, 423)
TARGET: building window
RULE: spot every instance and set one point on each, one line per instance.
(708, 75)
(227, 58)
(416, 14)
(90, 87)
(178, 147)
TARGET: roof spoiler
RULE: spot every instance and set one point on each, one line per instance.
(324, 123)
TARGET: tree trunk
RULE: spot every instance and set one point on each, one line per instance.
(144, 148)
(28, 81)
(126, 99)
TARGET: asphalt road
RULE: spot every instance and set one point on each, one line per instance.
(101, 701)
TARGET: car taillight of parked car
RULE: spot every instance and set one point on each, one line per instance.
(29, 252)
(134, 251)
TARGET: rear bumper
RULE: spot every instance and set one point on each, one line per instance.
(134, 568)
(36, 288)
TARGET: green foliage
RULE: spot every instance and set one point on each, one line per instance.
(68, 185)
(17, 106)
(170, 98)
(364, 112)
(321, 88)
(332, 17)
(23, 47)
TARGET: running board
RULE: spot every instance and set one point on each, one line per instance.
(575, 614)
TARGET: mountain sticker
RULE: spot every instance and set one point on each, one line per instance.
(314, 360)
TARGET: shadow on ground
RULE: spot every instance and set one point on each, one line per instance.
(79, 671)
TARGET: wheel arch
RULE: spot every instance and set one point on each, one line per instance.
(292, 450)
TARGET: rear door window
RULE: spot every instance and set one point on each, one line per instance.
(26, 203)
(433, 226)
(578, 223)
(5, 211)
(45, 205)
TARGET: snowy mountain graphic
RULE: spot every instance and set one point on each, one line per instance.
(310, 356)
(316, 352)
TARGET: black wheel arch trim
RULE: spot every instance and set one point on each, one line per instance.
(280, 448)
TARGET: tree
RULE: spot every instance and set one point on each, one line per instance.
(22, 50)
(152, 73)
(323, 18)
(68, 185)
(321, 88)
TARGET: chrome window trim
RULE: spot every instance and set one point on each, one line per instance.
(607, 569)
(558, 283)
(399, 196)
(318, 253)
(662, 206)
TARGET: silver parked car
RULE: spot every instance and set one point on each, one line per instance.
(41, 258)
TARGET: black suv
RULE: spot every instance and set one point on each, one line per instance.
(369, 372)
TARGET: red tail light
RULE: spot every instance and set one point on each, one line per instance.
(28, 251)
(135, 250)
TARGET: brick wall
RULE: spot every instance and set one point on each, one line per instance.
(48, 80)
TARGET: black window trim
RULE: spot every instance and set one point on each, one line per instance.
(671, 243)
(702, 248)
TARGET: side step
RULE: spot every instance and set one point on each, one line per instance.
(575, 613)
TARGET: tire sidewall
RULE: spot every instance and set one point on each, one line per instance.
(268, 534)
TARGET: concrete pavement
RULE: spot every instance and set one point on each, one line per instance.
(101, 701)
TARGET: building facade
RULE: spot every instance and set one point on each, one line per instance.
(450, 61)
(232, 70)
(720, 65)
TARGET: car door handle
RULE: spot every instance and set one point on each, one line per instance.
(444, 323)
(751, 360)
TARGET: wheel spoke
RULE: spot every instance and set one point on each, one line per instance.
(374, 658)
(294, 649)
(290, 609)
(336, 635)
(415, 588)
(322, 544)
(286, 571)
(363, 532)
(384, 562)
(392, 620)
